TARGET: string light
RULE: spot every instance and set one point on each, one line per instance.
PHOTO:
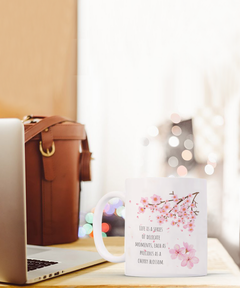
(81, 232)
(175, 118)
(121, 211)
(88, 228)
(114, 206)
(89, 217)
(173, 161)
(182, 170)
(105, 227)
(187, 155)
(188, 144)
(209, 170)
(176, 130)
(173, 141)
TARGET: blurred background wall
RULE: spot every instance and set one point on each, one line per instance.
(38, 57)
(159, 92)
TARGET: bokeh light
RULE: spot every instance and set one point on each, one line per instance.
(89, 217)
(88, 228)
(176, 130)
(188, 144)
(114, 201)
(182, 171)
(153, 131)
(175, 118)
(81, 232)
(110, 210)
(173, 161)
(121, 211)
(173, 141)
(105, 227)
(209, 170)
(187, 155)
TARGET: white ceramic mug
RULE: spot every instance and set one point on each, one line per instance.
(165, 227)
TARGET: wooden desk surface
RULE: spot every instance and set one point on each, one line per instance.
(222, 271)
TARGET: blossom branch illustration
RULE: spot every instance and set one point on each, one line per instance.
(182, 210)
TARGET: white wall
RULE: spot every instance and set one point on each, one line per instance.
(138, 62)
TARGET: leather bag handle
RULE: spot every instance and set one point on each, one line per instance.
(85, 155)
(42, 125)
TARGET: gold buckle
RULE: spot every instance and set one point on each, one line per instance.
(48, 153)
(26, 118)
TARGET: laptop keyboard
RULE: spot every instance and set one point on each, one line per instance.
(34, 264)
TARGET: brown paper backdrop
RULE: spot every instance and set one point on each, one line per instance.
(38, 57)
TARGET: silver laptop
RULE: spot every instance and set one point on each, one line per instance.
(21, 263)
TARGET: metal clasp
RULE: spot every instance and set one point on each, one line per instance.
(48, 153)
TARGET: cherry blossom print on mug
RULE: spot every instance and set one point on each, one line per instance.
(179, 212)
(186, 254)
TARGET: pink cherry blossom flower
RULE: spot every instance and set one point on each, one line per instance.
(190, 225)
(188, 248)
(190, 195)
(156, 199)
(160, 221)
(177, 252)
(193, 217)
(141, 210)
(183, 208)
(175, 210)
(176, 200)
(173, 223)
(180, 214)
(189, 260)
(167, 206)
(144, 201)
(188, 201)
(171, 215)
(163, 211)
(190, 229)
(193, 205)
(175, 197)
(159, 209)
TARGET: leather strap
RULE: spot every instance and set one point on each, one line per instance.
(85, 161)
(42, 125)
(48, 165)
(46, 122)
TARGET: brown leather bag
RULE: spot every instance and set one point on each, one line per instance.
(54, 169)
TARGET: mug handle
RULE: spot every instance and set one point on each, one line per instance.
(97, 227)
